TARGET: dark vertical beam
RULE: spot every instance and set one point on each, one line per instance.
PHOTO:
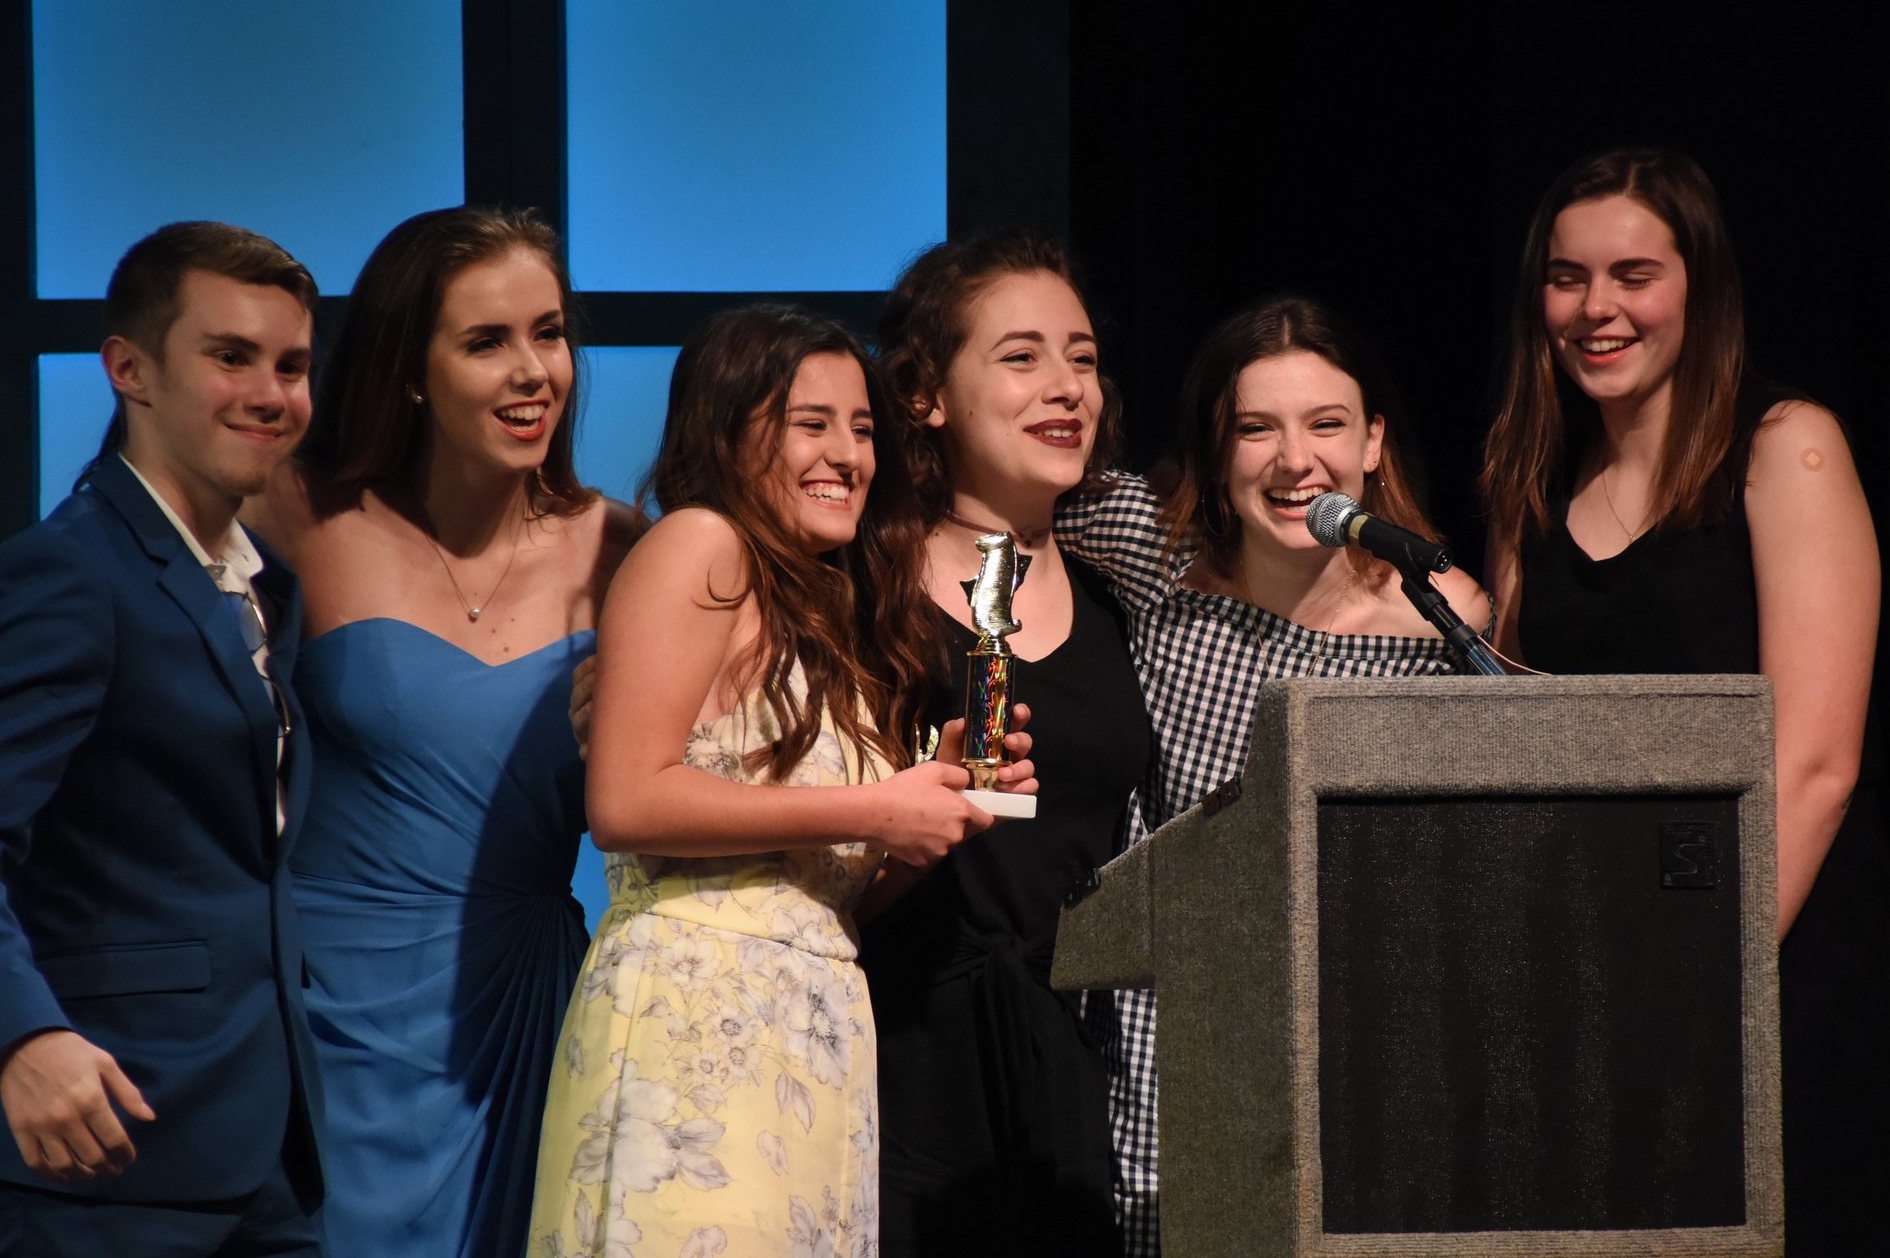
(1007, 114)
(19, 367)
(513, 62)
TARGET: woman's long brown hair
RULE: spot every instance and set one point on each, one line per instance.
(1544, 424)
(367, 430)
(858, 620)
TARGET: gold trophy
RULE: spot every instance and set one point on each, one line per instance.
(988, 674)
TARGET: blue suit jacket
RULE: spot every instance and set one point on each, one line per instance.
(144, 891)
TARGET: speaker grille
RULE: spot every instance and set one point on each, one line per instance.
(1529, 1013)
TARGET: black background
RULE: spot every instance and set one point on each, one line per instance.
(1200, 156)
(1390, 164)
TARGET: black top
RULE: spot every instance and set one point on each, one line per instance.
(1685, 601)
(1675, 601)
(1090, 736)
(1672, 602)
(993, 1102)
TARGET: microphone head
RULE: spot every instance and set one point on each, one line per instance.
(1326, 518)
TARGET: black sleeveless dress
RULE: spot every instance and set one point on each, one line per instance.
(1685, 601)
(994, 1135)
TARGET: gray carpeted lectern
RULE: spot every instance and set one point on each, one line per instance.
(1465, 966)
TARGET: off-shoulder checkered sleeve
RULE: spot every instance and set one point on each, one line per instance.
(1117, 531)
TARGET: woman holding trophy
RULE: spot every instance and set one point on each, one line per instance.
(993, 1109)
(714, 1088)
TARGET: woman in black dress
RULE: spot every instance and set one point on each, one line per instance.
(994, 1132)
(1654, 508)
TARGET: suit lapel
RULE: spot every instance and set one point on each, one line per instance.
(185, 581)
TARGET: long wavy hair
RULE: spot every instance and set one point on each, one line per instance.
(857, 620)
(927, 319)
(1545, 424)
(1197, 513)
(367, 429)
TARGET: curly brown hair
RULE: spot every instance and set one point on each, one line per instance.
(926, 321)
(858, 620)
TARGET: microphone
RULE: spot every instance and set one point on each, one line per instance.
(1335, 520)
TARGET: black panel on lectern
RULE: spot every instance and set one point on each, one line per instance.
(1529, 1014)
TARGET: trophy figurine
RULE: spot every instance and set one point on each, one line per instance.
(988, 674)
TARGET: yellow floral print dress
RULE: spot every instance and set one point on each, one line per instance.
(715, 1091)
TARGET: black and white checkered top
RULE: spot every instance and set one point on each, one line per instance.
(1200, 658)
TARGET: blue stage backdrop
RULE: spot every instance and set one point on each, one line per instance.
(733, 146)
(754, 146)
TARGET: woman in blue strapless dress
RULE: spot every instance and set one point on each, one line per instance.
(453, 568)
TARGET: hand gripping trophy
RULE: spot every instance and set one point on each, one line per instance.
(988, 674)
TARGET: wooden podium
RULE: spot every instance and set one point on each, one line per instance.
(1465, 966)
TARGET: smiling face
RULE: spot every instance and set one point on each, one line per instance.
(1300, 430)
(498, 365)
(1614, 302)
(1019, 408)
(227, 400)
(818, 477)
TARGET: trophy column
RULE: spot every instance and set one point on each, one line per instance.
(988, 667)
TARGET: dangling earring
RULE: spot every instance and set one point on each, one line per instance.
(413, 395)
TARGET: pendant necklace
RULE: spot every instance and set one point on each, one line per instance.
(472, 613)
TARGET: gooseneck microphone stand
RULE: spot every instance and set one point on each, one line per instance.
(1436, 608)
(1335, 520)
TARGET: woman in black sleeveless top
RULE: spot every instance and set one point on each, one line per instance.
(993, 1101)
(1656, 509)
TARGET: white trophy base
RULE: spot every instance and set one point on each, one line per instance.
(1003, 803)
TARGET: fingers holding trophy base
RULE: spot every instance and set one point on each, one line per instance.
(988, 669)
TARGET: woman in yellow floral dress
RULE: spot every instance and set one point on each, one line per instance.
(716, 1091)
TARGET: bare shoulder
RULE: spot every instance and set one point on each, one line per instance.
(1396, 616)
(1468, 599)
(1798, 439)
(692, 526)
(692, 548)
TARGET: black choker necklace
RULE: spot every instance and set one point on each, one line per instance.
(1026, 538)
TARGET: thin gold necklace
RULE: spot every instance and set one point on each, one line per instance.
(1608, 498)
(472, 613)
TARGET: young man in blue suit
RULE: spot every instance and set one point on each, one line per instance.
(155, 1067)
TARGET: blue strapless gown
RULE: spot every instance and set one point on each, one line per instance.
(433, 877)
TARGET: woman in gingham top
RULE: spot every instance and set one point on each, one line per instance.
(1225, 588)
